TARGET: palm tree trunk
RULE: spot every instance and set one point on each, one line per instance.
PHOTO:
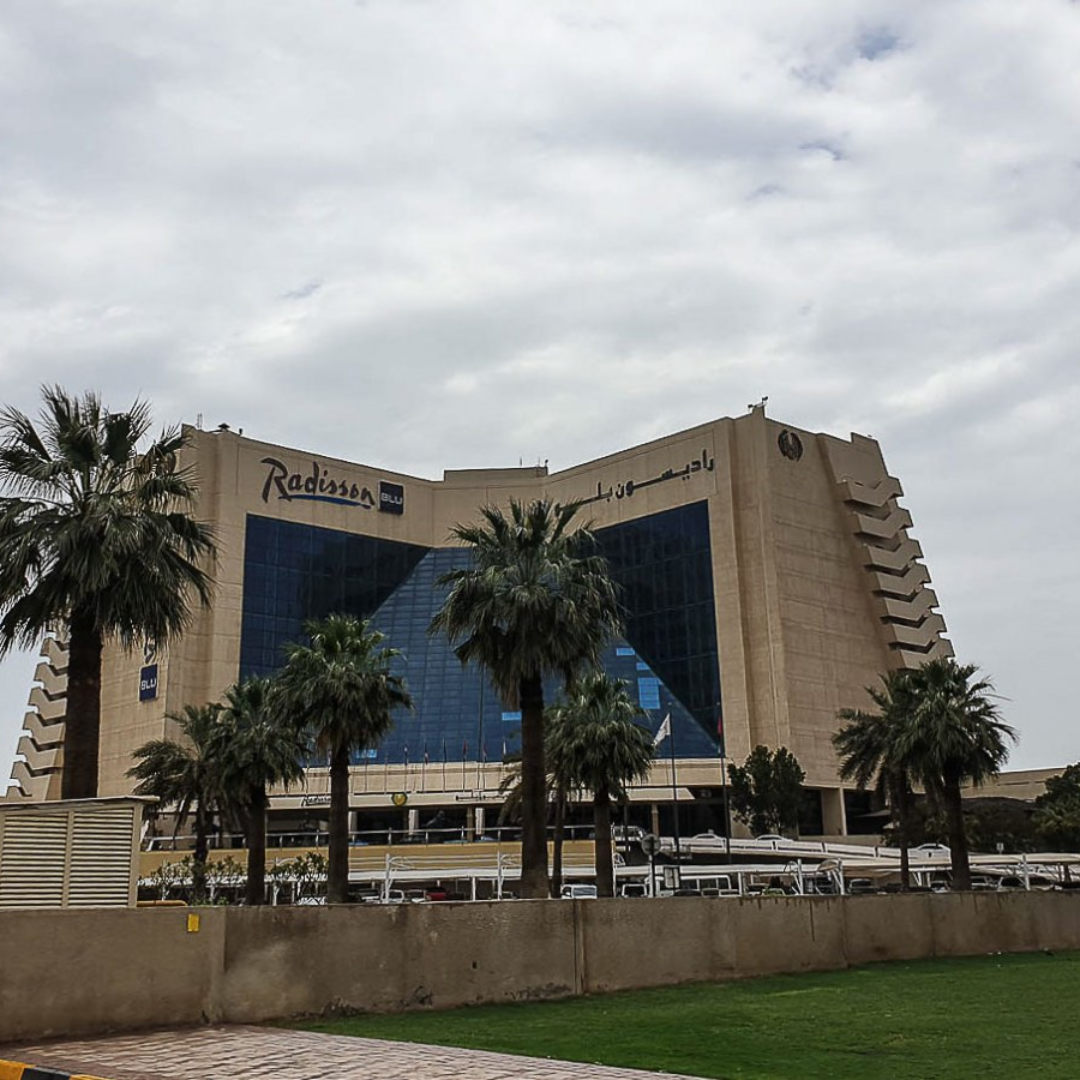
(198, 862)
(82, 722)
(337, 877)
(534, 853)
(557, 842)
(958, 845)
(256, 842)
(605, 871)
(903, 830)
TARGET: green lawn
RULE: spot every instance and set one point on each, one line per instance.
(1009, 1016)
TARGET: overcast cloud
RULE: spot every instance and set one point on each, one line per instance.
(428, 235)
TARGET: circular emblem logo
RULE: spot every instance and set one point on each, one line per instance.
(790, 445)
(399, 798)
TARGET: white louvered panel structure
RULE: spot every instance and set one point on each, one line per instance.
(70, 854)
(33, 850)
(101, 868)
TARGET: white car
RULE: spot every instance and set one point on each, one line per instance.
(933, 849)
(578, 892)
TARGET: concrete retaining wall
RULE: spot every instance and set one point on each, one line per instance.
(67, 972)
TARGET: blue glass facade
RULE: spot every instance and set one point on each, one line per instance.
(294, 572)
(663, 564)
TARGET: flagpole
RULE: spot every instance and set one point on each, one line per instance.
(480, 735)
(674, 793)
(727, 808)
(723, 782)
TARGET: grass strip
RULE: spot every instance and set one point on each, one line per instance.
(1006, 1014)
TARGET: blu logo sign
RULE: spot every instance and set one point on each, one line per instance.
(148, 682)
(391, 498)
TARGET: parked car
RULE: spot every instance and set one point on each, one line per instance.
(861, 886)
(773, 838)
(578, 892)
(932, 849)
(718, 886)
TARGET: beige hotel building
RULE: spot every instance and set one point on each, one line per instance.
(768, 573)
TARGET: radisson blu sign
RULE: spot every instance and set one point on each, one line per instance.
(317, 483)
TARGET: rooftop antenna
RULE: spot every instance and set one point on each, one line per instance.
(759, 405)
(198, 421)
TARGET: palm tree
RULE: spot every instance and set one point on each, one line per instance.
(340, 689)
(186, 775)
(601, 748)
(537, 601)
(954, 734)
(255, 748)
(868, 746)
(95, 536)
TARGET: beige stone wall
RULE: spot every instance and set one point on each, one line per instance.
(79, 972)
(1026, 784)
(800, 630)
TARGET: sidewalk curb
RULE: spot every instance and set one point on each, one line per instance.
(15, 1070)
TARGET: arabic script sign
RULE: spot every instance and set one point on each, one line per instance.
(625, 489)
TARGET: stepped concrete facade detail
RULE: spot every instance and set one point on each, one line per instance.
(36, 777)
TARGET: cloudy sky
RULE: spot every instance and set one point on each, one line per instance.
(460, 234)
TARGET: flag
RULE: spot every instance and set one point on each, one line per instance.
(444, 750)
(664, 732)
(464, 750)
(504, 750)
(720, 732)
(425, 752)
(484, 753)
(405, 752)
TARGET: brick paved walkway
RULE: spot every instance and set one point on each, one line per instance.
(247, 1053)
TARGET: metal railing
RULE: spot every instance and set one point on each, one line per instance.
(368, 837)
